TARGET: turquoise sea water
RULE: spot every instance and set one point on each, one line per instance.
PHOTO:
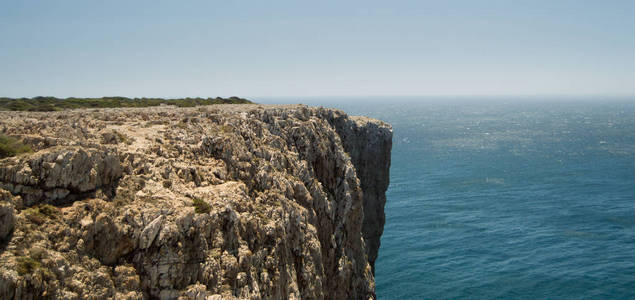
(507, 198)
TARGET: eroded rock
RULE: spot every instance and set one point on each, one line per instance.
(218, 202)
(54, 173)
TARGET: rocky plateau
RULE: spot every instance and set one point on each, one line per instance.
(210, 202)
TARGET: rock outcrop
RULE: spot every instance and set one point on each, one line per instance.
(215, 202)
(59, 173)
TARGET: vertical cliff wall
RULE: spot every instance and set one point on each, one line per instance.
(368, 142)
(214, 202)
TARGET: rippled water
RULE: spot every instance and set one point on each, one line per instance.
(507, 198)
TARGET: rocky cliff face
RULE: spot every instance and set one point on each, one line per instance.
(215, 202)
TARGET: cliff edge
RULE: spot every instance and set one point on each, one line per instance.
(213, 202)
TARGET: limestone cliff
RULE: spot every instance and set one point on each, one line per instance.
(214, 202)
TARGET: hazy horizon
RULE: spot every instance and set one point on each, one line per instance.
(328, 49)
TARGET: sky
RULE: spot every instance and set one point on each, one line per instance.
(316, 48)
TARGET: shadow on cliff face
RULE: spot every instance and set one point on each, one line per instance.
(4, 241)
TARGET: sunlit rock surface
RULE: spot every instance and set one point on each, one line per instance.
(214, 202)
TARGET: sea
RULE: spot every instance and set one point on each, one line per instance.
(505, 198)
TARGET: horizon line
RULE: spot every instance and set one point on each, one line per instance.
(449, 95)
(545, 95)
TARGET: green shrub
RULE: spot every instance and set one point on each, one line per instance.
(31, 265)
(12, 147)
(39, 214)
(53, 104)
(48, 210)
(27, 265)
(200, 206)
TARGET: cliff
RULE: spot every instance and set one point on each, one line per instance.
(215, 202)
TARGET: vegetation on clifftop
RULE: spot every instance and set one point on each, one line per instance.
(11, 147)
(54, 104)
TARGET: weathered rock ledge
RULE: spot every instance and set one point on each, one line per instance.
(214, 202)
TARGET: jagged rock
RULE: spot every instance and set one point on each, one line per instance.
(150, 232)
(54, 173)
(112, 137)
(219, 202)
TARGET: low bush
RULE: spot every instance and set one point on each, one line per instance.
(32, 264)
(54, 104)
(11, 147)
(39, 214)
(200, 206)
(26, 265)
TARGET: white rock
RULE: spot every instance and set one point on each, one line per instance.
(150, 232)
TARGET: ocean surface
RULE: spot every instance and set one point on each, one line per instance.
(506, 198)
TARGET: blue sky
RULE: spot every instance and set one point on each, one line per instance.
(316, 48)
